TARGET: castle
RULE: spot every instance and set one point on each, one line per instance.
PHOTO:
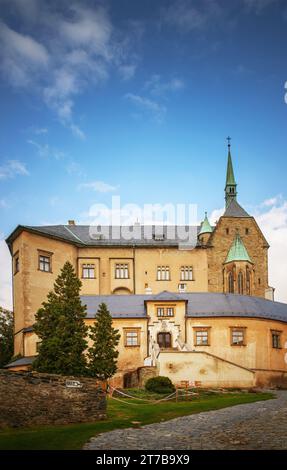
(204, 315)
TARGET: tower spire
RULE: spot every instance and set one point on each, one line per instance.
(230, 186)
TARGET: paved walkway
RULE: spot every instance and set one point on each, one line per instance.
(260, 425)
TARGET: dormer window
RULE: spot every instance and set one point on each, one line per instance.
(158, 237)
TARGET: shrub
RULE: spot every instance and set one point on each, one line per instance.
(160, 384)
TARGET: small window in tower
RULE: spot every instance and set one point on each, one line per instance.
(240, 283)
(227, 231)
(16, 264)
(246, 231)
(276, 339)
(230, 283)
(45, 263)
(259, 281)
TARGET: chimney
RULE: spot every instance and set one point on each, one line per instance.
(71, 222)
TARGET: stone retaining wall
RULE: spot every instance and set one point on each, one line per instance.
(31, 398)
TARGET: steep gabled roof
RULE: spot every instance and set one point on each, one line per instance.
(165, 296)
(237, 251)
(235, 210)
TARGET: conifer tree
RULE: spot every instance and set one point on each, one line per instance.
(6, 336)
(102, 355)
(61, 328)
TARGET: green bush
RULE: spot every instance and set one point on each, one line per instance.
(160, 384)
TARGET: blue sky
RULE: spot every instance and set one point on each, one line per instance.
(137, 99)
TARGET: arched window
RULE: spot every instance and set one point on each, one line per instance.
(248, 290)
(240, 283)
(230, 283)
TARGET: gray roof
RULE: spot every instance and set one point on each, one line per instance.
(134, 235)
(23, 361)
(202, 304)
(235, 210)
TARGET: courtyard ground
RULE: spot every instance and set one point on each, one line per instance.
(253, 426)
(121, 415)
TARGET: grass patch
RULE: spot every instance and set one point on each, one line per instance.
(120, 415)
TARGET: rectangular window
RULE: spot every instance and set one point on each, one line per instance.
(88, 271)
(186, 273)
(165, 311)
(163, 273)
(160, 312)
(182, 287)
(122, 271)
(276, 339)
(238, 336)
(170, 312)
(201, 337)
(132, 338)
(45, 263)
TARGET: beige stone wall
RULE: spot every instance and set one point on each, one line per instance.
(130, 357)
(204, 369)
(220, 243)
(258, 352)
(257, 355)
(147, 260)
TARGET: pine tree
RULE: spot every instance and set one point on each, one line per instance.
(61, 328)
(103, 354)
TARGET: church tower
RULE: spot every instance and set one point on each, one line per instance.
(238, 269)
(230, 186)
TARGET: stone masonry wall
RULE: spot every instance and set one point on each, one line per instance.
(255, 244)
(31, 398)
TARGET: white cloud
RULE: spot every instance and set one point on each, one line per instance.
(99, 186)
(187, 16)
(5, 276)
(22, 56)
(79, 48)
(73, 168)
(272, 201)
(127, 71)
(40, 130)
(13, 168)
(45, 151)
(158, 87)
(273, 223)
(155, 109)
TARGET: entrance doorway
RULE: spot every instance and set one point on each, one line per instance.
(164, 340)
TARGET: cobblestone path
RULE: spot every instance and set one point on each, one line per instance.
(260, 425)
